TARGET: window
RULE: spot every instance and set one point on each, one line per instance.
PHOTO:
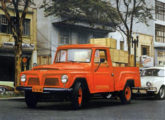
(160, 33)
(153, 72)
(64, 37)
(5, 28)
(160, 57)
(82, 37)
(160, 10)
(145, 50)
(100, 54)
(26, 29)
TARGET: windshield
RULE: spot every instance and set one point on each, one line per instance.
(153, 72)
(74, 55)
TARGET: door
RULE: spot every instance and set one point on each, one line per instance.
(103, 79)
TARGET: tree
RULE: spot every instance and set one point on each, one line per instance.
(130, 12)
(20, 8)
(90, 11)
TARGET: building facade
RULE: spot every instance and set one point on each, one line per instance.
(54, 31)
(151, 38)
(159, 43)
(7, 61)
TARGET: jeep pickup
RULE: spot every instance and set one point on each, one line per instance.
(78, 72)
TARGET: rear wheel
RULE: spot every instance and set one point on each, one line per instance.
(126, 95)
(78, 95)
(31, 99)
(161, 94)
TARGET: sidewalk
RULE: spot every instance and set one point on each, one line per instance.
(12, 98)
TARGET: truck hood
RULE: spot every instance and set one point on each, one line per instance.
(73, 66)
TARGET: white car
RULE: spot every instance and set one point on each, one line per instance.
(152, 82)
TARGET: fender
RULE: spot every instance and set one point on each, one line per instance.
(81, 77)
(126, 78)
(83, 81)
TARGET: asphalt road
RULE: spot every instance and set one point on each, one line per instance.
(141, 109)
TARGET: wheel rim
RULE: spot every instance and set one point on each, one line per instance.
(162, 93)
(80, 96)
(128, 93)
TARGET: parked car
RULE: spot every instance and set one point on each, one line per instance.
(6, 86)
(152, 82)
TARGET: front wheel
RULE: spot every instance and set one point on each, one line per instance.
(78, 96)
(161, 94)
(31, 99)
(125, 95)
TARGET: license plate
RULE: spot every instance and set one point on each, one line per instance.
(37, 89)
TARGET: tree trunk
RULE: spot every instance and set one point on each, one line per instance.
(18, 59)
(129, 49)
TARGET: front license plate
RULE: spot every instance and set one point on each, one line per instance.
(37, 89)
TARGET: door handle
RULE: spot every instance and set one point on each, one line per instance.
(112, 74)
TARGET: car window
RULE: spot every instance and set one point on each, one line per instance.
(153, 72)
(100, 54)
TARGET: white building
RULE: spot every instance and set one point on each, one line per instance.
(154, 34)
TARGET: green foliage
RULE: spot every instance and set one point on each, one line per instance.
(91, 11)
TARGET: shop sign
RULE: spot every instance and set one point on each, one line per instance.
(147, 61)
(11, 45)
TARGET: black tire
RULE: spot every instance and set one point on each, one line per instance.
(78, 96)
(161, 94)
(126, 95)
(31, 99)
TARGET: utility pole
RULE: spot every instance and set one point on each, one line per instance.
(135, 44)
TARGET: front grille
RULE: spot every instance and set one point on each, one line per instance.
(51, 82)
(33, 81)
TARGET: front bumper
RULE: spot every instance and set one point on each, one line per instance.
(144, 90)
(46, 90)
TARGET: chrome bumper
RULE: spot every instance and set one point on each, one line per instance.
(46, 90)
(144, 90)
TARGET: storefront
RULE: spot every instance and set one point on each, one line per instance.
(7, 60)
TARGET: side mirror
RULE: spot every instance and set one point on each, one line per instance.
(102, 60)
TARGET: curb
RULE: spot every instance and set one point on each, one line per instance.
(13, 98)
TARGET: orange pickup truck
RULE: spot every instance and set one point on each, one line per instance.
(78, 72)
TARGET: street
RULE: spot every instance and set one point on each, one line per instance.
(140, 109)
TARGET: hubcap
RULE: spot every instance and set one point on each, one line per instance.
(128, 93)
(80, 96)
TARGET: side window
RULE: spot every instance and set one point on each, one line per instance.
(100, 54)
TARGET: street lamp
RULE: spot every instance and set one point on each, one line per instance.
(135, 44)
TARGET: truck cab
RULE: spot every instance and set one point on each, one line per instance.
(78, 72)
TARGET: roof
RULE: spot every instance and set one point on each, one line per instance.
(82, 46)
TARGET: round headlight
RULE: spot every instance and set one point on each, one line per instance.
(148, 84)
(64, 78)
(23, 78)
